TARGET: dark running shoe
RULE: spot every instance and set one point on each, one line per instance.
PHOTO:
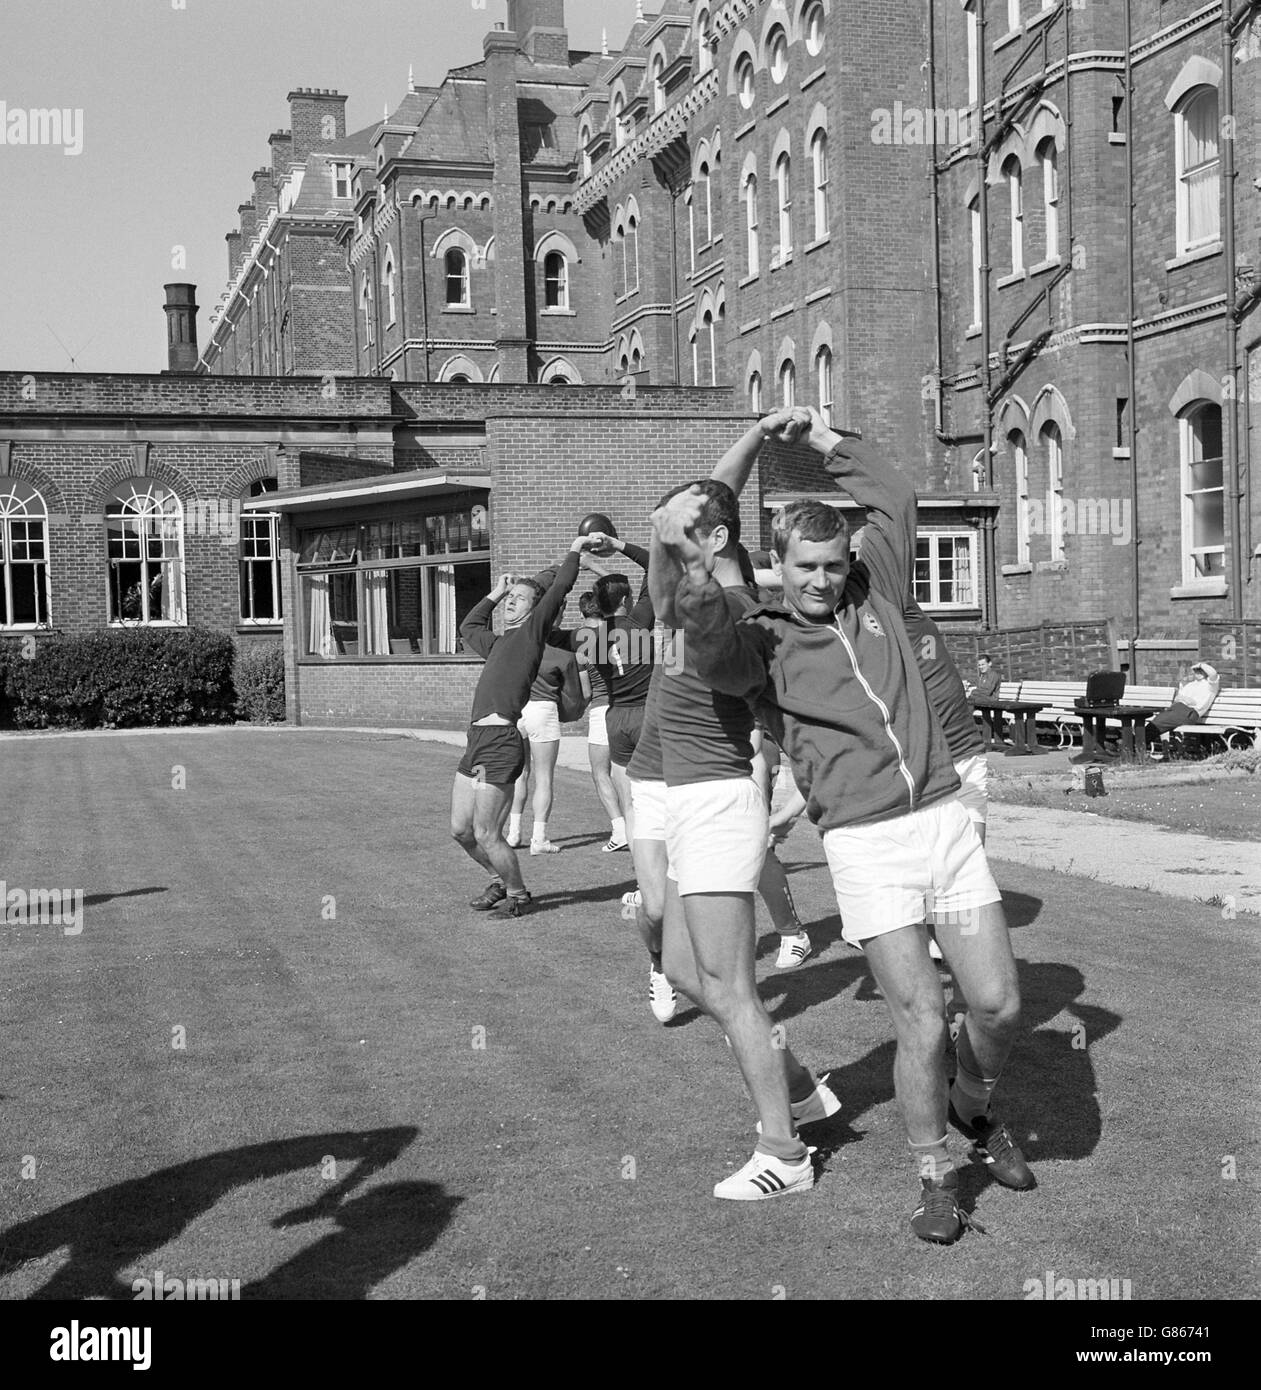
(493, 893)
(994, 1146)
(938, 1217)
(515, 905)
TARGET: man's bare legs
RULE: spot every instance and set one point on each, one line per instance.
(621, 785)
(543, 756)
(478, 810)
(977, 948)
(650, 873)
(601, 775)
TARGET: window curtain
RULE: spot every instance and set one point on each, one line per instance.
(446, 609)
(320, 635)
(1200, 159)
(376, 591)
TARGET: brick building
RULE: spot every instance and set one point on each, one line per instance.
(912, 215)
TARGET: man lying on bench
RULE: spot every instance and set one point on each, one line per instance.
(1191, 702)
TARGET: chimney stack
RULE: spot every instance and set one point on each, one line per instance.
(317, 116)
(181, 328)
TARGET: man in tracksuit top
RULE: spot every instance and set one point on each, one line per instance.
(494, 758)
(837, 680)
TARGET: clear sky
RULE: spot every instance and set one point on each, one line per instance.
(178, 98)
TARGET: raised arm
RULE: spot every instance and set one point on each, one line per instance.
(476, 631)
(787, 426)
(545, 612)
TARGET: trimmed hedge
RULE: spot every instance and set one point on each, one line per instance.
(260, 682)
(120, 679)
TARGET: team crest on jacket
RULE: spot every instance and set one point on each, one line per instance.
(872, 624)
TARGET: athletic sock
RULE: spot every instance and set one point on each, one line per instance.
(801, 1087)
(514, 826)
(540, 832)
(970, 1094)
(786, 1150)
(934, 1159)
(656, 961)
(618, 828)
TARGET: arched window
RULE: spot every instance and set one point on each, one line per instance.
(556, 280)
(1013, 15)
(390, 280)
(1050, 197)
(783, 187)
(788, 385)
(1203, 494)
(260, 560)
(707, 193)
(708, 323)
(813, 28)
(974, 51)
(456, 263)
(823, 371)
(704, 42)
(1016, 213)
(750, 223)
(1020, 458)
(619, 120)
(1054, 442)
(584, 139)
(144, 528)
(459, 379)
(369, 318)
(631, 248)
(755, 393)
(974, 217)
(745, 81)
(690, 200)
(658, 86)
(819, 157)
(1199, 170)
(777, 54)
(23, 555)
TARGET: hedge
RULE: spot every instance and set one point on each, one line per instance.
(260, 682)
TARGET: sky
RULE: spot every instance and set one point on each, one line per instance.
(177, 99)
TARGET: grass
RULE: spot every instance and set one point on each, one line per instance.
(406, 1100)
(1228, 808)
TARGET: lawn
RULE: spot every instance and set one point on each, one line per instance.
(283, 1051)
(1227, 808)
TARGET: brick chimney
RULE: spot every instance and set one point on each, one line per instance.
(316, 117)
(281, 142)
(264, 192)
(234, 252)
(512, 343)
(540, 29)
(249, 224)
(181, 328)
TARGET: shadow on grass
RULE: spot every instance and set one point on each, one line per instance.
(95, 899)
(111, 1231)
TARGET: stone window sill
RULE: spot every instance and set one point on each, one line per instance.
(1200, 253)
(1017, 569)
(1200, 588)
(1017, 277)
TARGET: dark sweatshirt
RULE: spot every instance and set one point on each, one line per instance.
(845, 700)
(513, 658)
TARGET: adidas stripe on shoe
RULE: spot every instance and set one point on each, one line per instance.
(765, 1176)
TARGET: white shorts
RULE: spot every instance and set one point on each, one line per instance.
(540, 721)
(648, 802)
(596, 732)
(927, 865)
(716, 835)
(974, 773)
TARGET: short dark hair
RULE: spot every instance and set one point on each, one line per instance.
(985, 656)
(722, 508)
(533, 584)
(811, 521)
(589, 604)
(611, 591)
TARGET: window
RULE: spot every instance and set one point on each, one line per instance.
(777, 48)
(1203, 495)
(1199, 170)
(783, 184)
(1013, 15)
(365, 305)
(823, 371)
(755, 393)
(619, 120)
(584, 139)
(977, 274)
(398, 587)
(1016, 208)
(260, 560)
(707, 187)
(1050, 198)
(708, 323)
(144, 527)
(536, 136)
(819, 157)
(391, 281)
(341, 180)
(691, 231)
(974, 53)
(1020, 457)
(630, 248)
(456, 262)
(1054, 489)
(23, 555)
(555, 280)
(658, 86)
(788, 385)
(945, 569)
(813, 27)
(744, 81)
(704, 47)
(750, 223)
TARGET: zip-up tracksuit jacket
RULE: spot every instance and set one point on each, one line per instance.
(845, 700)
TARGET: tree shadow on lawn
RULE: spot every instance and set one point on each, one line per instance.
(109, 1232)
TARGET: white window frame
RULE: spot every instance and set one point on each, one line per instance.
(1185, 241)
(339, 179)
(783, 188)
(750, 223)
(974, 52)
(1014, 20)
(1193, 555)
(777, 54)
(562, 302)
(1014, 175)
(248, 521)
(974, 210)
(389, 279)
(932, 600)
(746, 77)
(369, 312)
(619, 120)
(1020, 457)
(466, 279)
(755, 392)
(23, 504)
(823, 375)
(1053, 440)
(814, 27)
(1049, 157)
(788, 384)
(150, 503)
(819, 163)
(658, 86)
(704, 53)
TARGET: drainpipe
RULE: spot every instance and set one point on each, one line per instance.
(1232, 326)
(674, 277)
(424, 287)
(1129, 342)
(990, 524)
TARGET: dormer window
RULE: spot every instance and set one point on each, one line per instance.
(341, 180)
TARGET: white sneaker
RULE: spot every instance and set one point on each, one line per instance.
(511, 840)
(611, 845)
(764, 1176)
(793, 949)
(632, 899)
(661, 996)
(933, 949)
(818, 1105)
(543, 847)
